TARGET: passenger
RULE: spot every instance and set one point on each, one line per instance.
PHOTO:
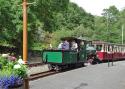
(65, 45)
(74, 46)
(60, 45)
(50, 46)
(81, 43)
(82, 46)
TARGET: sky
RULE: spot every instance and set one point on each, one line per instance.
(95, 7)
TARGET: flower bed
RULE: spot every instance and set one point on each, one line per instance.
(12, 73)
(10, 81)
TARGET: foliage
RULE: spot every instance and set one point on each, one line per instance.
(21, 72)
(5, 72)
(57, 35)
(9, 75)
(3, 61)
(8, 68)
(46, 10)
(79, 31)
(7, 63)
(47, 19)
(108, 27)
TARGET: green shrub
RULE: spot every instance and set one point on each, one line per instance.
(8, 68)
(21, 72)
(3, 61)
(5, 72)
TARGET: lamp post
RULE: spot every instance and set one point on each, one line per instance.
(107, 23)
(122, 34)
(107, 17)
(25, 31)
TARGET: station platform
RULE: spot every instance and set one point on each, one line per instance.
(98, 76)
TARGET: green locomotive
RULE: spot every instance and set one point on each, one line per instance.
(61, 58)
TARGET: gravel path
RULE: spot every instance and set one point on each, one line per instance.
(91, 77)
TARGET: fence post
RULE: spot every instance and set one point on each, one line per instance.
(108, 63)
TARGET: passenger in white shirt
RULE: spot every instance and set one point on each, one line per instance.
(60, 45)
(74, 46)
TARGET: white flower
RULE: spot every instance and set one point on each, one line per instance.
(17, 66)
(5, 55)
(20, 61)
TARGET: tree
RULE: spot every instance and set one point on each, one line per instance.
(46, 11)
(40, 19)
(110, 18)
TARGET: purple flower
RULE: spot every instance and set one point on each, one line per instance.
(12, 58)
(10, 81)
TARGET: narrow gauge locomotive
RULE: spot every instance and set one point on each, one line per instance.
(109, 51)
(61, 59)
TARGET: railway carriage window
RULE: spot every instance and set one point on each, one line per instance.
(109, 48)
(115, 49)
(99, 47)
(121, 48)
(112, 48)
(124, 49)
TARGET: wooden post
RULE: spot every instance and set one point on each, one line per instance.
(26, 83)
(25, 31)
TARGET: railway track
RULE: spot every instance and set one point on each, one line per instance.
(35, 64)
(41, 75)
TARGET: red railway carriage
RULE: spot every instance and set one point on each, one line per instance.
(108, 51)
(119, 52)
